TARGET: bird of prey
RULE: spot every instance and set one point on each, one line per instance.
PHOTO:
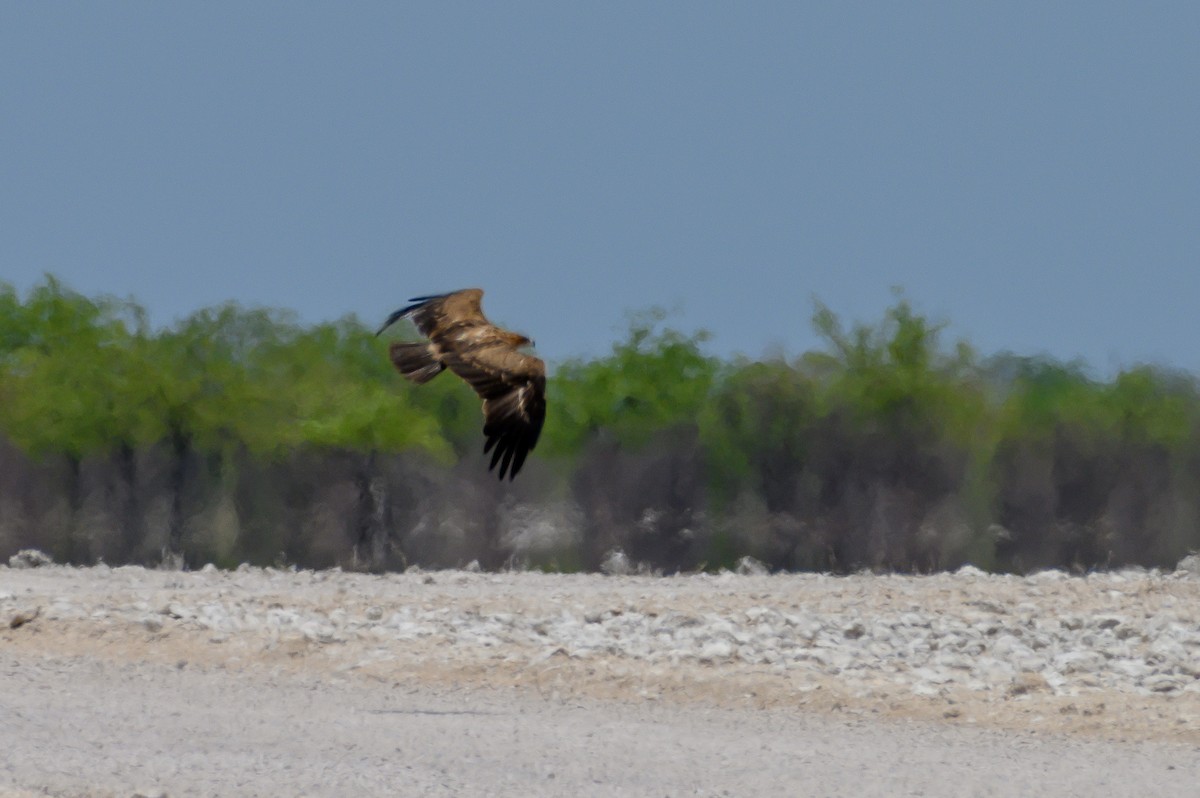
(511, 383)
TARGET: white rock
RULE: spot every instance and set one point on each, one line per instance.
(748, 566)
(716, 650)
(1189, 567)
(30, 558)
(933, 675)
(615, 563)
(1079, 662)
(1165, 683)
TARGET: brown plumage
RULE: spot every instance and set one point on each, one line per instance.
(511, 383)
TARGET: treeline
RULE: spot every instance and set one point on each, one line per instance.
(241, 435)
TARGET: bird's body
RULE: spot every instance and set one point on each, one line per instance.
(511, 383)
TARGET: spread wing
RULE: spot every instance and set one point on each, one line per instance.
(512, 384)
(442, 314)
(513, 387)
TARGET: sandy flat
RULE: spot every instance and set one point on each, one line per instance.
(126, 682)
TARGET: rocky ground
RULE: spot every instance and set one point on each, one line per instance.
(1110, 659)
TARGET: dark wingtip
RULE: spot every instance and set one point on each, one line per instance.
(509, 453)
(418, 303)
(392, 319)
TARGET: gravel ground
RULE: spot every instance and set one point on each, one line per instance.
(267, 682)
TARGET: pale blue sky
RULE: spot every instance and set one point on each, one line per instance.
(1028, 171)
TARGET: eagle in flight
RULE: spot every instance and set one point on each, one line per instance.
(511, 383)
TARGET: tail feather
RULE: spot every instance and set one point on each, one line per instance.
(417, 362)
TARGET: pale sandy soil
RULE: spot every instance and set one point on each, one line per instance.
(272, 683)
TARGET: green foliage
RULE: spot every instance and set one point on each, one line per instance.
(82, 376)
(70, 382)
(654, 380)
(884, 449)
(345, 396)
(1045, 395)
(222, 382)
(1148, 405)
(894, 378)
(758, 429)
